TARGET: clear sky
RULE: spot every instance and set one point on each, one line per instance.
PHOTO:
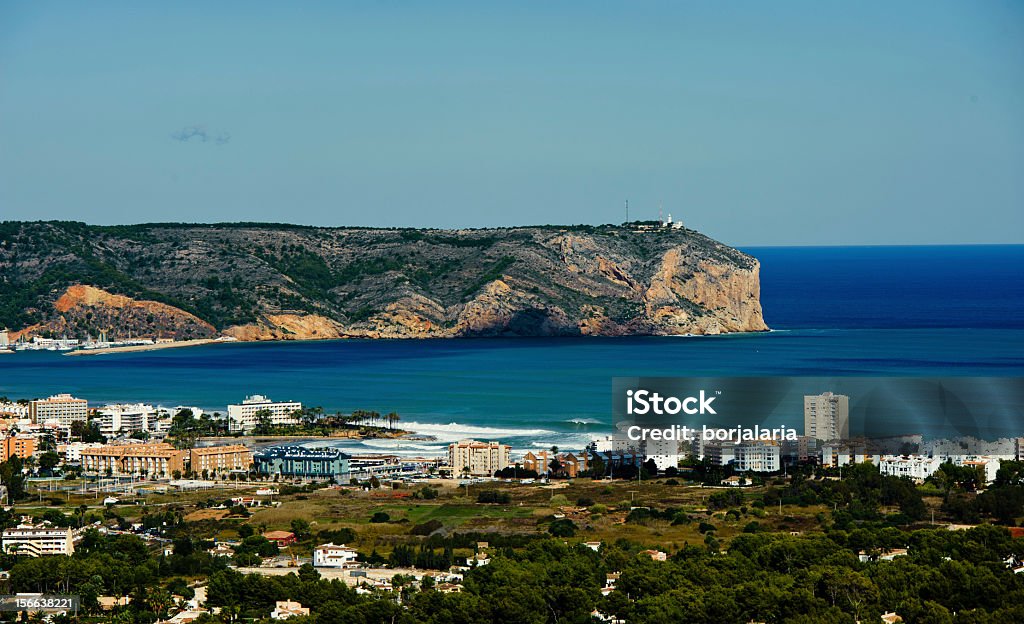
(755, 122)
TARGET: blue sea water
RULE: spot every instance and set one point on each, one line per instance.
(865, 311)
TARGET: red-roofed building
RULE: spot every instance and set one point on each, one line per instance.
(281, 538)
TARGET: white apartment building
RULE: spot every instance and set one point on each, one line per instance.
(913, 467)
(127, 419)
(14, 410)
(758, 456)
(72, 451)
(334, 556)
(4, 339)
(38, 541)
(244, 416)
(827, 416)
(719, 454)
(665, 453)
(59, 409)
(478, 458)
(989, 466)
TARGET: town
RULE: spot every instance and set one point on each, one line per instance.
(215, 498)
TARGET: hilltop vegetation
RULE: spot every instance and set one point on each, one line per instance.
(279, 281)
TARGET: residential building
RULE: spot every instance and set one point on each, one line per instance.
(59, 409)
(22, 446)
(536, 461)
(285, 609)
(220, 459)
(72, 451)
(334, 556)
(38, 541)
(571, 464)
(126, 419)
(5, 340)
(154, 460)
(720, 454)
(1018, 448)
(988, 466)
(245, 416)
(913, 467)
(758, 456)
(478, 458)
(296, 461)
(655, 555)
(665, 453)
(827, 416)
(11, 409)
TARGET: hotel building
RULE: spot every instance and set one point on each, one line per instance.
(478, 458)
(220, 459)
(38, 541)
(245, 416)
(827, 416)
(59, 409)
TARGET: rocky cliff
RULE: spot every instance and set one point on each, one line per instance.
(268, 282)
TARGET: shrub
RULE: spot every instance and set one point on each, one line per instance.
(562, 528)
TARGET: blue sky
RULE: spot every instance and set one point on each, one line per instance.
(757, 123)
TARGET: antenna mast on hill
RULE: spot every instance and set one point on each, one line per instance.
(627, 211)
(661, 219)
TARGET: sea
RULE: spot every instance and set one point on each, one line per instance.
(942, 311)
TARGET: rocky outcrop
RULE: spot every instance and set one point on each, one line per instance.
(277, 282)
(86, 309)
(288, 327)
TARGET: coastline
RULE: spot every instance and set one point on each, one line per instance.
(153, 347)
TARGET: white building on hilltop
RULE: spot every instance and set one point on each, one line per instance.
(246, 415)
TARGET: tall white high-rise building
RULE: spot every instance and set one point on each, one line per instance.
(827, 416)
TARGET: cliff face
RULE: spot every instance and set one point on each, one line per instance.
(264, 282)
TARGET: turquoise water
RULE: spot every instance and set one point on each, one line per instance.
(545, 391)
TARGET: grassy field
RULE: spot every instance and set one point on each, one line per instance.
(597, 508)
